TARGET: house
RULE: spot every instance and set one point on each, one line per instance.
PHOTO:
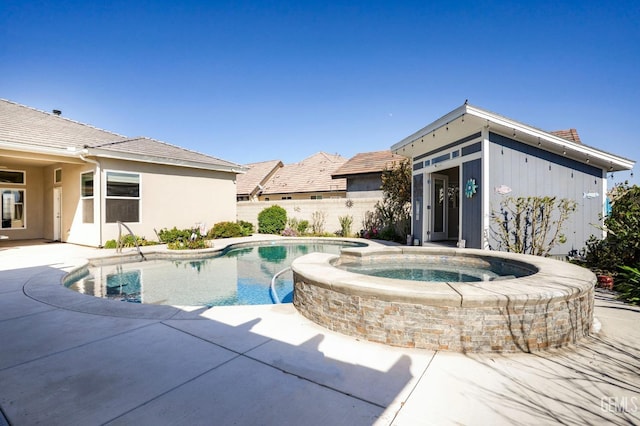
(251, 183)
(309, 179)
(66, 181)
(363, 173)
(467, 161)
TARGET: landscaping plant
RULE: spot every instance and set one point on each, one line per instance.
(391, 218)
(272, 220)
(618, 253)
(530, 225)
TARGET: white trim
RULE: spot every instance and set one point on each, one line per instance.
(486, 188)
(24, 177)
(111, 197)
(560, 144)
(55, 181)
(24, 207)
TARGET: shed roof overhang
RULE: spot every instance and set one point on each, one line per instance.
(467, 120)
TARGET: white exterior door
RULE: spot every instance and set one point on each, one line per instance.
(439, 207)
(57, 213)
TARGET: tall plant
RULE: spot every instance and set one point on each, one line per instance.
(621, 246)
(530, 225)
(391, 217)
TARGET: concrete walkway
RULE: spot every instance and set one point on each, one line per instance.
(92, 361)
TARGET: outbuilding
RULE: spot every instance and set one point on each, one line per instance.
(466, 162)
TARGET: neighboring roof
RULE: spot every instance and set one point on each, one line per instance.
(467, 119)
(367, 162)
(256, 176)
(569, 134)
(28, 129)
(312, 174)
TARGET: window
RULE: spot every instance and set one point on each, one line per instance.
(122, 202)
(8, 176)
(316, 197)
(57, 176)
(12, 208)
(86, 192)
(286, 198)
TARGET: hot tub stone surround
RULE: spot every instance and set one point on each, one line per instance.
(551, 307)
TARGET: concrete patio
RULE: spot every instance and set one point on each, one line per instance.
(86, 361)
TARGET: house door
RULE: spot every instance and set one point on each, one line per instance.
(57, 213)
(439, 207)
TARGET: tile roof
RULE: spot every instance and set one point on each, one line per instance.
(313, 174)
(569, 134)
(368, 162)
(257, 174)
(29, 127)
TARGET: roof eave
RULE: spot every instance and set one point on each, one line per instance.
(572, 149)
(236, 168)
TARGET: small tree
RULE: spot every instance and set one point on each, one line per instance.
(391, 217)
(530, 225)
(272, 220)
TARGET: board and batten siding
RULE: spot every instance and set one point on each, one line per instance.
(472, 206)
(531, 171)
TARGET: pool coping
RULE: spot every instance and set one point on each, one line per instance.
(554, 280)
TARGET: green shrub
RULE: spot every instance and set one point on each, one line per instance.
(187, 244)
(627, 284)
(225, 230)
(345, 225)
(303, 227)
(172, 235)
(296, 227)
(272, 220)
(128, 241)
(621, 246)
(247, 228)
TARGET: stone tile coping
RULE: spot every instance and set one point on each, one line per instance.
(550, 281)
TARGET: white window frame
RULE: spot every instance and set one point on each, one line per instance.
(91, 197)
(24, 177)
(55, 175)
(24, 207)
(112, 197)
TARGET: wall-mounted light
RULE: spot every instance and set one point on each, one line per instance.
(539, 143)
(564, 150)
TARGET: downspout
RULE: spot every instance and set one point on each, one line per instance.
(98, 191)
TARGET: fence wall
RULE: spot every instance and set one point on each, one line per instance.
(333, 208)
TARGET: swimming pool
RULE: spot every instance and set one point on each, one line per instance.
(240, 275)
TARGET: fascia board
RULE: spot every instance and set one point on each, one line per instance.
(559, 142)
(163, 160)
(38, 149)
(442, 121)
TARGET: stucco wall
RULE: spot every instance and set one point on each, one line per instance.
(304, 209)
(174, 196)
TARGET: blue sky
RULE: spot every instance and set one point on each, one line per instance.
(254, 81)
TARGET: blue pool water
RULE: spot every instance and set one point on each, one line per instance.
(240, 276)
